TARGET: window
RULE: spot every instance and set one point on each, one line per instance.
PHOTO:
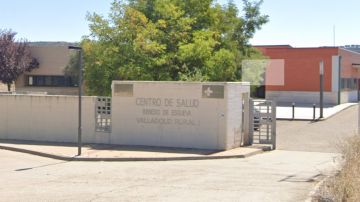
(54, 81)
(349, 84)
(31, 81)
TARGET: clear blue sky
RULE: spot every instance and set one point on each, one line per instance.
(310, 22)
(295, 22)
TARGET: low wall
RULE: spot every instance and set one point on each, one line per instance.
(47, 118)
(301, 97)
(4, 87)
(48, 90)
(178, 114)
(169, 114)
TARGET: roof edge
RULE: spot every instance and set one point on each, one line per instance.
(340, 48)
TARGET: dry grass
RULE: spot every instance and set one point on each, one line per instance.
(345, 186)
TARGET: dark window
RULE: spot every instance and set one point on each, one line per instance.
(55, 81)
(348, 84)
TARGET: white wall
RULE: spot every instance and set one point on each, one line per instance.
(349, 96)
(301, 97)
(335, 73)
(234, 113)
(209, 124)
(47, 118)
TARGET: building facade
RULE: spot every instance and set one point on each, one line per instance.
(302, 74)
(355, 48)
(49, 78)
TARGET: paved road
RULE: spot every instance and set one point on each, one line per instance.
(322, 136)
(273, 176)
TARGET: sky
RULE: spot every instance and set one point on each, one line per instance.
(300, 23)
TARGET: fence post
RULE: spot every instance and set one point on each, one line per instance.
(321, 88)
(273, 124)
(314, 108)
(251, 122)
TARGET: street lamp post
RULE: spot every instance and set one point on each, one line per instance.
(80, 95)
(357, 66)
(321, 88)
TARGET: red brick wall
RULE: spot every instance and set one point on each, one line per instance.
(301, 69)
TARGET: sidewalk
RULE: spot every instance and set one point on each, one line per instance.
(307, 113)
(96, 152)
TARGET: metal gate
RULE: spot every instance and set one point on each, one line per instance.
(262, 122)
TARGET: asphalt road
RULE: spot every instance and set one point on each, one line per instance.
(322, 136)
(273, 176)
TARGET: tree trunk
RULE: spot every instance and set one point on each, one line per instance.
(9, 86)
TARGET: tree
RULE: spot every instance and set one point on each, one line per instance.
(169, 40)
(72, 68)
(15, 58)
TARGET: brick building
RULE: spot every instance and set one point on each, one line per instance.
(301, 74)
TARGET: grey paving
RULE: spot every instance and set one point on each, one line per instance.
(321, 136)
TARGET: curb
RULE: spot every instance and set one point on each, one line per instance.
(309, 120)
(36, 153)
(317, 119)
(341, 110)
(290, 119)
(316, 188)
(93, 159)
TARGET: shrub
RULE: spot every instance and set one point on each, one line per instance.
(345, 185)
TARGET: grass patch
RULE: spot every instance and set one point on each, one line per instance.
(345, 185)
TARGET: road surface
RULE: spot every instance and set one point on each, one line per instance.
(272, 176)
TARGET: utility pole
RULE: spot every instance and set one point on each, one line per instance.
(334, 34)
(80, 96)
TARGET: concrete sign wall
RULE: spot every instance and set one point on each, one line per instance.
(177, 114)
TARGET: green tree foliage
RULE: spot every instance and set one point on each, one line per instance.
(169, 40)
(72, 68)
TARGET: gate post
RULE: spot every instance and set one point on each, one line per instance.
(245, 120)
(251, 123)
